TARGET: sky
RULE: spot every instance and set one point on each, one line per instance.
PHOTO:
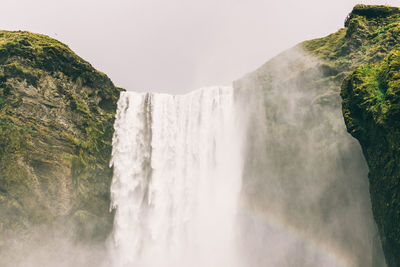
(176, 46)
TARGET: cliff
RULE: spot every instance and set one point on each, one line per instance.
(371, 108)
(56, 126)
(307, 79)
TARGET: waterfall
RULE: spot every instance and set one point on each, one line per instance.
(238, 178)
(177, 177)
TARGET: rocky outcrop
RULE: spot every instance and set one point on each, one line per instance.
(371, 108)
(318, 68)
(57, 113)
(371, 32)
(56, 126)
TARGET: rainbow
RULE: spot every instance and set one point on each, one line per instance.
(332, 252)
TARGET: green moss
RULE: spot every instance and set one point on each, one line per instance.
(370, 34)
(18, 203)
(371, 11)
(56, 126)
(371, 109)
(376, 88)
(41, 52)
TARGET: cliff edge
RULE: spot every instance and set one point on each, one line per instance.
(56, 127)
(371, 109)
(312, 73)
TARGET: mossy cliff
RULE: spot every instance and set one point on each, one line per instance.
(56, 126)
(370, 33)
(371, 108)
(317, 68)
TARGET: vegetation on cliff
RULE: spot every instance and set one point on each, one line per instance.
(317, 69)
(56, 126)
(371, 108)
(371, 105)
(57, 113)
(371, 32)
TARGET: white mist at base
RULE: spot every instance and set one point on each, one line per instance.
(258, 176)
(177, 178)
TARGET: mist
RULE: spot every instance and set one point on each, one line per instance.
(177, 46)
(303, 197)
(271, 179)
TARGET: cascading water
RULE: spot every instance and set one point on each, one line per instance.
(177, 177)
(256, 176)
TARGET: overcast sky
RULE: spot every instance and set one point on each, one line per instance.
(176, 46)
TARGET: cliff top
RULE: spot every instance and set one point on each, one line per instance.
(56, 127)
(374, 10)
(27, 54)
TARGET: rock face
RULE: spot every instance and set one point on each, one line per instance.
(371, 108)
(57, 113)
(318, 67)
(371, 32)
(56, 126)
